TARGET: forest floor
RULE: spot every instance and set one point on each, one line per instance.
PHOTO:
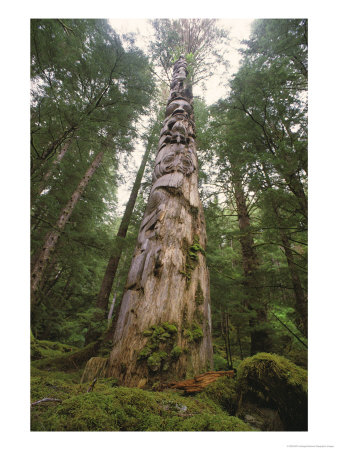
(269, 393)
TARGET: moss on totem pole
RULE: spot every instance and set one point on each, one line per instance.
(160, 351)
(191, 259)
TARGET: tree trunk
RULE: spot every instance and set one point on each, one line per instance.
(300, 296)
(108, 279)
(260, 341)
(52, 237)
(55, 163)
(163, 330)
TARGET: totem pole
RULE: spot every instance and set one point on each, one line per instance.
(163, 330)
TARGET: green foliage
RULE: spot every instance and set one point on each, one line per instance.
(219, 362)
(88, 92)
(199, 40)
(155, 360)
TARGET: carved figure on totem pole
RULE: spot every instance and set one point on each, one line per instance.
(176, 151)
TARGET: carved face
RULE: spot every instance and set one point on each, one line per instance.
(176, 159)
(179, 106)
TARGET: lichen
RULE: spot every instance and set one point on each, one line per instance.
(199, 297)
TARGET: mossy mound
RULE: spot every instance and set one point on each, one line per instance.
(48, 349)
(223, 393)
(53, 384)
(112, 408)
(69, 361)
(273, 381)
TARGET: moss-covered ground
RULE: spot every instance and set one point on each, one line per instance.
(115, 408)
(110, 407)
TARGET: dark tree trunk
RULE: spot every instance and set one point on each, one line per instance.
(163, 329)
(300, 295)
(108, 279)
(260, 341)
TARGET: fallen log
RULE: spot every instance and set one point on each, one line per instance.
(198, 383)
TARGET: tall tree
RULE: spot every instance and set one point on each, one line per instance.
(203, 43)
(164, 325)
(41, 260)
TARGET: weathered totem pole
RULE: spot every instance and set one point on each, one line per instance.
(163, 330)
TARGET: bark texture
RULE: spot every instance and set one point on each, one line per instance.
(52, 237)
(163, 330)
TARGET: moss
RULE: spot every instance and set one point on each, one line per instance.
(155, 360)
(199, 297)
(147, 333)
(176, 352)
(144, 353)
(199, 316)
(213, 422)
(194, 333)
(53, 384)
(69, 361)
(130, 409)
(48, 349)
(273, 381)
(171, 328)
(222, 392)
(158, 350)
(191, 260)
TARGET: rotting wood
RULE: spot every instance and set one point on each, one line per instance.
(198, 383)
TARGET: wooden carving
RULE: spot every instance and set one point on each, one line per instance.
(163, 331)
